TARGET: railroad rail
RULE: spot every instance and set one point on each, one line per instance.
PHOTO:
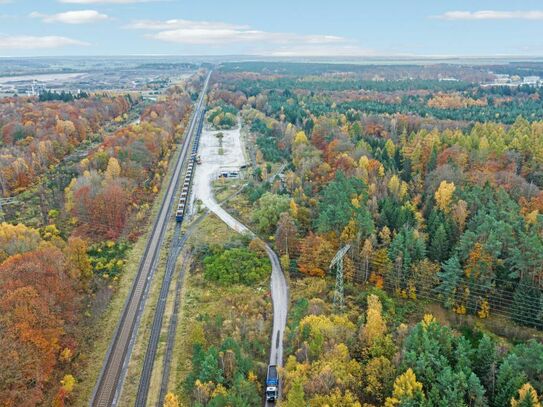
(176, 246)
(109, 384)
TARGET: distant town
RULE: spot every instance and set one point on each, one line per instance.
(514, 81)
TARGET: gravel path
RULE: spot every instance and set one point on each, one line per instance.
(212, 163)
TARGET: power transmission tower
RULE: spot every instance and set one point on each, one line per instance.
(337, 261)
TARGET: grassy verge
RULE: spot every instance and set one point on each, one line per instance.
(100, 333)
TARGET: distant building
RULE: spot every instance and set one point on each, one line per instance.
(514, 81)
(502, 79)
(532, 80)
(448, 79)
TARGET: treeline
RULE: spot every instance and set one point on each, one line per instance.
(297, 107)
(252, 87)
(468, 73)
(48, 95)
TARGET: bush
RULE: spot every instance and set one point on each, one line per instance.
(236, 266)
(223, 117)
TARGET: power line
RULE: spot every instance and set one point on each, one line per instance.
(500, 302)
(483, 292)
(507, 315)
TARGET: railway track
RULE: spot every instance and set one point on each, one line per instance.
(176, 246)
(109, 384)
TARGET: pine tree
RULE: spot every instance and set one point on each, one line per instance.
(432, 163)
(510, 378)
(485, 363)
(450, 277)
(439, 245)
(210, 370)
(526, 300)
(476, 392)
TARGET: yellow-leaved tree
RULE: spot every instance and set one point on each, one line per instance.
(17, 239)
(444, 195)
(300, 138)
(113, 169)
(527, 397)
(171, 400)
(375, 326)
(406, 390)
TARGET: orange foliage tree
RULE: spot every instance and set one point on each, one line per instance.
(315, 255)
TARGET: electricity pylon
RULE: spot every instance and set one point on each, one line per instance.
(338, 262)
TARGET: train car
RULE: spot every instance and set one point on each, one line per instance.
(194, 158)
(179, 213)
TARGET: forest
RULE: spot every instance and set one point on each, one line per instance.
(440, 203)
(434, 184)
(95, 172)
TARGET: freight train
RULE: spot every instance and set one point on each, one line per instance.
(194, 159)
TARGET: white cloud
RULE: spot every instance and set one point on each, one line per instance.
(214, 33)
(153, 25)
(104, 1)
(492, 15)
(72, 17)
(34, 42)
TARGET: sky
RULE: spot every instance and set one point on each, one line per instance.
(280, 28)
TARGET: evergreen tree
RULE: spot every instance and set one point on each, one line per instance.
(527, 304)
(340, 201)
(476, 392)
(406, 248)
(485, 363)
(510, 378)
(439, 245)
(210, 370)
(432, 163)
(450, 278)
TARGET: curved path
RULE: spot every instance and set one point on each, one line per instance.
(205, 173)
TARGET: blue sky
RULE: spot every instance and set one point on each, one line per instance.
(272, 28)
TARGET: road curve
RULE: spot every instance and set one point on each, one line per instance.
(278, 283)
(107, 389)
